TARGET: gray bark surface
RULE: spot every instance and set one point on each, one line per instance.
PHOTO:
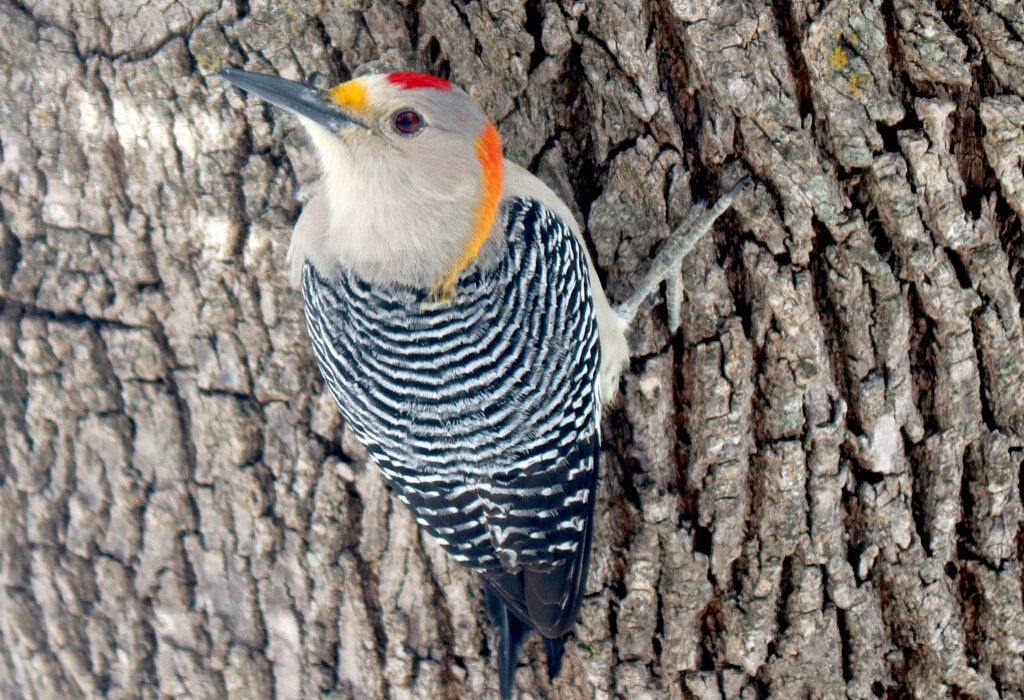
(812, 489)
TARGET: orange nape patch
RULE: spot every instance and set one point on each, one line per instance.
(488, 152)
(351, 95)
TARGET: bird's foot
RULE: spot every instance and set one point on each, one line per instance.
(666, 267)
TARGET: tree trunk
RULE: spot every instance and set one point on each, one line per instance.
(812, 488)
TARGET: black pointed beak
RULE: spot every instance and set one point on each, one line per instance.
(298, 98)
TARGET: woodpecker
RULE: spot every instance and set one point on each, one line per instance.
(460, 325)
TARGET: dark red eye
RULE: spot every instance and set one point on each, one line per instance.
(407, 122)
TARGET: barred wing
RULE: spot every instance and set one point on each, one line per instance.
(482, 414)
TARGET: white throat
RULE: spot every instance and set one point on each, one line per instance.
(364, 217)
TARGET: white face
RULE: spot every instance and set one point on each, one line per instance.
(406, 141)
(409, 105)
(405, 179)
(412, 175)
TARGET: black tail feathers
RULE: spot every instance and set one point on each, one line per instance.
(510, 634)
(555, 648)
(511, 631)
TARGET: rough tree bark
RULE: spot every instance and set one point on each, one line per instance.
(811, 489)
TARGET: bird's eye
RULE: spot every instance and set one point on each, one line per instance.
(407, 122)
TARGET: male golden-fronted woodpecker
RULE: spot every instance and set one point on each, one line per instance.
(461, 327)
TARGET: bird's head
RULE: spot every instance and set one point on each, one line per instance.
(412, 173)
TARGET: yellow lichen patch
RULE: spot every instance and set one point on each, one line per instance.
(837, 34)
(351, 95)
(210, 63)
(854, 83)
(837, 59)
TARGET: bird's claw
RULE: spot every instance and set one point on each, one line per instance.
(667, 264)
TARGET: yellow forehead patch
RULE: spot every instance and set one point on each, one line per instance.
(350, 95)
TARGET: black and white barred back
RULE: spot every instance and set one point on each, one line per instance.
(483, 414)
